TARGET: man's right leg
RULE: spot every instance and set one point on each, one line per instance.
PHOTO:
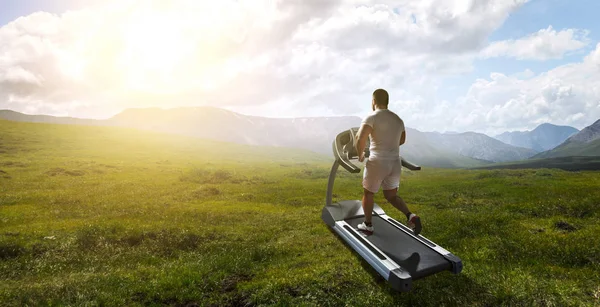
(390, 192)
(397, 201)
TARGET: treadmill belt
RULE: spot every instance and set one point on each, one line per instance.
(412, 255)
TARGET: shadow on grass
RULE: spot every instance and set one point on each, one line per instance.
(59, 171)
(4, 174)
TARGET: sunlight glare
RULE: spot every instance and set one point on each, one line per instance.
(155, 47)
(176, 46)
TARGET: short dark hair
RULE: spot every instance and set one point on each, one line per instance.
(381, 97)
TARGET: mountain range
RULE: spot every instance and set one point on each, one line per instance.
(479, 146)
(312, 133)
(584, 143)
(543, 137)
(450, 149)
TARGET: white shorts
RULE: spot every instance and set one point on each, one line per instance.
(382, 173)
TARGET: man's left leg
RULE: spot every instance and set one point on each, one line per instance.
(368, 201)
(371, 182)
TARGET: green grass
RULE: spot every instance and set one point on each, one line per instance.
(113, 217)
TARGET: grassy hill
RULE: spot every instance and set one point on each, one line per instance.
(112, 216)
(572, 148)
(313, 133)
(16, 116)
(572, 163)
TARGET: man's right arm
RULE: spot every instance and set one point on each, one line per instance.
(361, 140)
(366, 127)
(402, 138)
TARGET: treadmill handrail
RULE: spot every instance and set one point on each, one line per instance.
(410, 166)
(330, 181)
(342, 140)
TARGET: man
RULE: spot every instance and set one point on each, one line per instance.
(383, 167)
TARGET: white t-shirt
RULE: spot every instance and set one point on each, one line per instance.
(386, 134)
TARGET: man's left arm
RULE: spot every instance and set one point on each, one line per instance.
(361, 142)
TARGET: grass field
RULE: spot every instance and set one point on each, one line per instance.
(109, 216)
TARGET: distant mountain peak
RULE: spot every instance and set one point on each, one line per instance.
(585, 143)
(544, 137)
(551, 126)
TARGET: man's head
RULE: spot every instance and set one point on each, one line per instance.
(380, 99)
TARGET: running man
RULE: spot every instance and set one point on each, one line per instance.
(383, 167)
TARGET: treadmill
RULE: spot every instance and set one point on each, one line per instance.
(393, 249)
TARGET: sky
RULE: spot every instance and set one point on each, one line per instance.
(449, 65)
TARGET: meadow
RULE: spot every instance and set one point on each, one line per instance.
(103, 216)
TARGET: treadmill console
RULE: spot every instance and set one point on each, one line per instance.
(344, 149)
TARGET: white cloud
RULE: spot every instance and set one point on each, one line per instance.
(240, 52)
(299, 57)
(542, 45)
(566, 95)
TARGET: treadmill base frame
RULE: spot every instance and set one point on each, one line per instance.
(335, 216)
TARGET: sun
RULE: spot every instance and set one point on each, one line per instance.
(176, 46)
(155, 48)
